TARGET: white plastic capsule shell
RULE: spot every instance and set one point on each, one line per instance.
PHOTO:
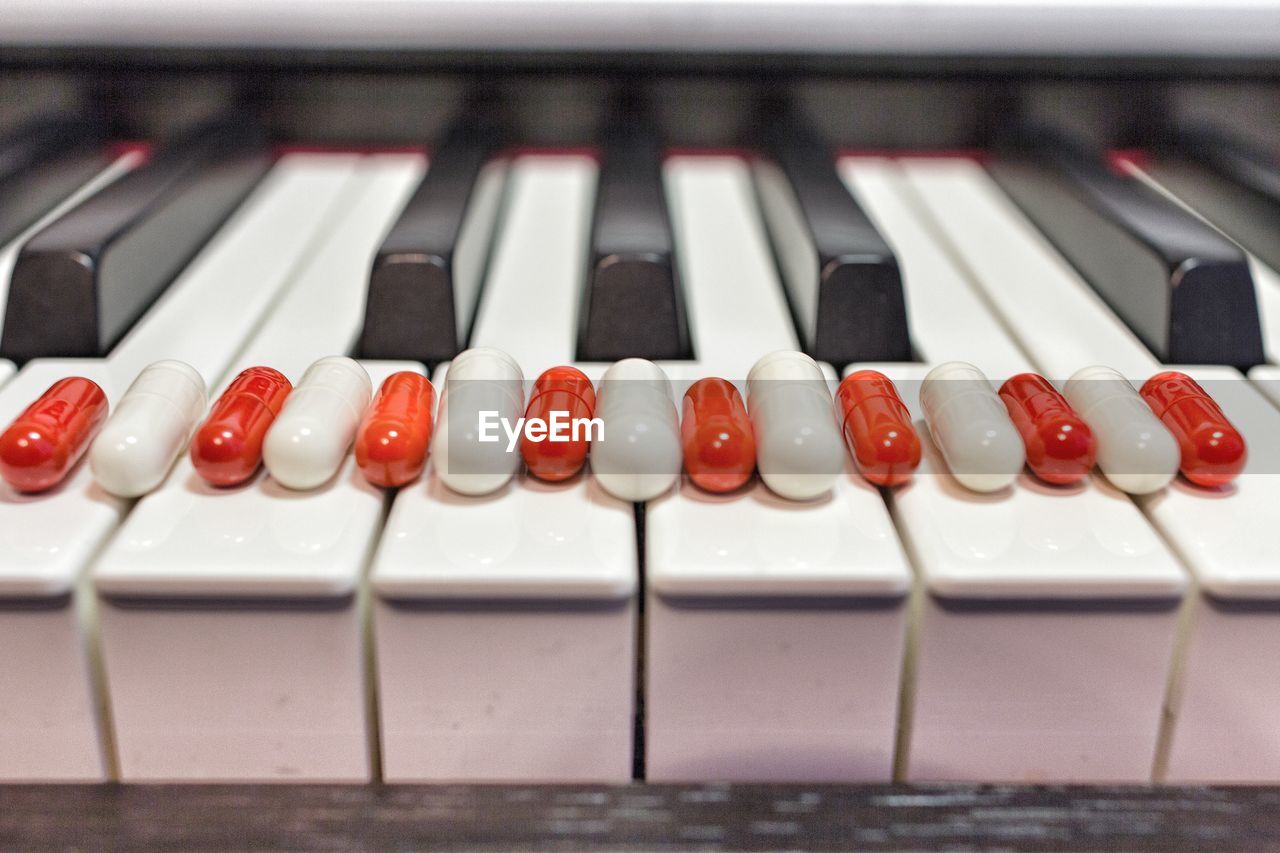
(313, 432)
(799, 450)
(1136, 452)
(971, 427)
(150, 426)
(639, 455)
(479, 380)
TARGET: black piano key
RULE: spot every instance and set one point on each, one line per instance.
(42, 163)
(633, 305)
(841, 276)
(1183, 288)
(79, 284)
(426, 277)
(1232, 183)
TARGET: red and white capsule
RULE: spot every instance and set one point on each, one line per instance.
(392, 440)
(562, 397)
(45, 442)
(227, 449)
(717, 437)
(1060, 446)
(1213, 450)
(877, 428)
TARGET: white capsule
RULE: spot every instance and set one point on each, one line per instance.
(310, 437)
(1135, 450)
(148, 429)
(638, 456)
(971, 426)
(483, 391)
(799, 451)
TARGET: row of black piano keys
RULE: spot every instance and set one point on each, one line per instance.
(552, 633)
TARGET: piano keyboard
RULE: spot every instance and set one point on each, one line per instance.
(554, 632)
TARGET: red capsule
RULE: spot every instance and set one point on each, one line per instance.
(717, 437)
(877, 427)
(1061, 449)
(1213, 451)
(565, 394)
(227, 449)
(392, 441)
(45, 442)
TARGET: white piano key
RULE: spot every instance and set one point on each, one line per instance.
(1213, 531)
(9, 253)
(811, 597)
(48, 541)
(1032, 289)
(49, 721)
(51, 558)
(1266, 378)
(529, 303)
(1034, 590)
(1228, 696)
(725, 261)
(275, 689)
(209, 313)
(937, 290)
(505, 624)
(6, 370)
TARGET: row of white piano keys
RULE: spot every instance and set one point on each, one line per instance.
(924, 633)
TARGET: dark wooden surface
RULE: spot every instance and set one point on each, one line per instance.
(650, 817)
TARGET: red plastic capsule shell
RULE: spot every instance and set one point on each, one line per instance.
(559, 389)
(227, 449)
(393, 438)
(1061, 449)
(877, 428)
(1213, 450)
(44, 443)
(716, 435)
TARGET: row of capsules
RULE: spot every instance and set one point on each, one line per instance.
(785, 429)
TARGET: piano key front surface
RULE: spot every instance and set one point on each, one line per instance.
(552, 633)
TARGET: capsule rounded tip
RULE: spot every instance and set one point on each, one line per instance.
(302, 456)
(719, 457)
(29, 460)
(553, 461)
(121, 465)
(1219, 456)
(806, 465)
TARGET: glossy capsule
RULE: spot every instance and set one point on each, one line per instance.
(877, 428)
(227, 449)
(148, 429)
(638, 456)
(561, 397)
(717, 437)
(45, 442)
(1060, 446)
(392, 441)
(1136, 451)
(308, 442)
(1213, 450)
(483, 389)
(799, 450)
(970, 424)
